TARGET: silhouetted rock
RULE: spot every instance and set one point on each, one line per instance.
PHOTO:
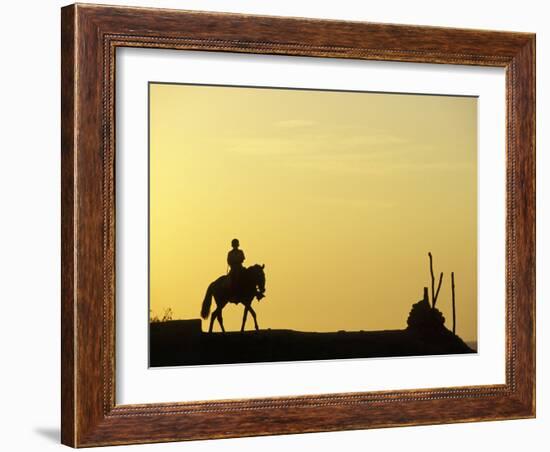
(426, 325)
(425, 320)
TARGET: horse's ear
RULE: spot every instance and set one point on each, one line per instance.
(263, 266)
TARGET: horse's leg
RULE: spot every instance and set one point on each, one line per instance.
(244, 317)
(212, 318)
(254, 317)
(220, 319)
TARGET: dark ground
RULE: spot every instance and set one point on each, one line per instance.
(181, 342)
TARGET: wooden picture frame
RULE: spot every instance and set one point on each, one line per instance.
(90, 35)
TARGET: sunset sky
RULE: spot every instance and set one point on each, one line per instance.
(340, 194)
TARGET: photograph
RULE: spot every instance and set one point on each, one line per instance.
(294, 224)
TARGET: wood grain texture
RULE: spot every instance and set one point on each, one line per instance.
(90, 36)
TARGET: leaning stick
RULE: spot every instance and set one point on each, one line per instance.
(433, 279)
(438, 287)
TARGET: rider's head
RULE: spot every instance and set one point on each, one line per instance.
(235, 243)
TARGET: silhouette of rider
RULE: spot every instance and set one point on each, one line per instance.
(235, 259)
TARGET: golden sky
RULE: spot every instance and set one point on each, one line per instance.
(340, 194)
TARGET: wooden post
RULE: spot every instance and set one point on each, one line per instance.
(454, 308)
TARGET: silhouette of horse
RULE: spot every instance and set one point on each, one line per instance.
(251, 284)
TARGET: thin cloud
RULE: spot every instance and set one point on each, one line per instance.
(295, 123)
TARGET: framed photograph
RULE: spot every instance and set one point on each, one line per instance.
(280, 225)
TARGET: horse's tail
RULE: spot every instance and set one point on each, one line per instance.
(207, 302)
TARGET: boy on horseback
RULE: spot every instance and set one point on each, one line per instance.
(235, 259)
(239, 285)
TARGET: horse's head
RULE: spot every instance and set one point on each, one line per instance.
(259, 276)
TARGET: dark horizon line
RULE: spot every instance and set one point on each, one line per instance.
(300, 331)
